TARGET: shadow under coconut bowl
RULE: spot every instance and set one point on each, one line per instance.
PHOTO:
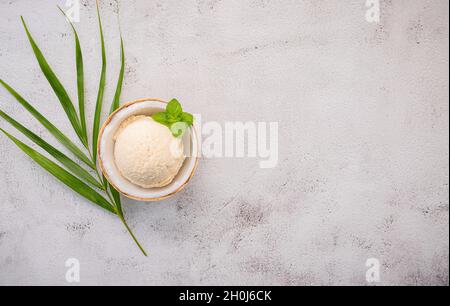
(106, 157)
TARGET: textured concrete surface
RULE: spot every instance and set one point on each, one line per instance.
(363, 144)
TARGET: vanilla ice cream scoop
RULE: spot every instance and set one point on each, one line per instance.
(146, 153)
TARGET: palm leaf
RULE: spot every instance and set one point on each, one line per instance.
(59, 156)
(63, 175)
(80, 78)
(101, 89)
(58, 88)
(117, 200)
(50, 127)
(79, 124)
(115, 105)
(116, 102)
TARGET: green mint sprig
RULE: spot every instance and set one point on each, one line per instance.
(174, 118)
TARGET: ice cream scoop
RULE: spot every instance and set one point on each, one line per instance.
(146, 153)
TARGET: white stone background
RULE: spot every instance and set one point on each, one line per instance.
(363, 143)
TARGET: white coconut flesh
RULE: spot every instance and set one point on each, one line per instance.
(141, 158)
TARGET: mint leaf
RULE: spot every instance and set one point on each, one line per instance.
(178, 128)
(161, 118)
(187, 118)
(174, 118)
(174, 109)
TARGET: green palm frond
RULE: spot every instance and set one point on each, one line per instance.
(101, 90)
(72, 175)
(80, 78)
(58, 155)
(116, 101)
(62, 175)
(63, 139)
(58, 88)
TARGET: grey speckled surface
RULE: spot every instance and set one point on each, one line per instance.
(363, 144)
